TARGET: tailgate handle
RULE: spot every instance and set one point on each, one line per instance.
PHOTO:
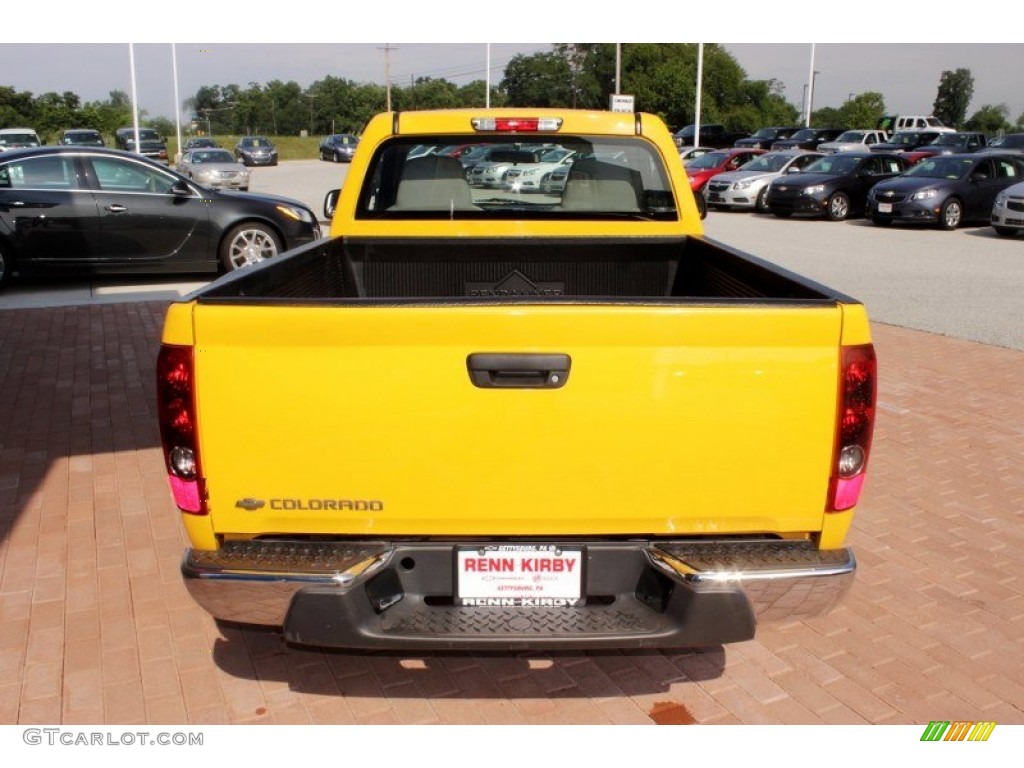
(518, 371)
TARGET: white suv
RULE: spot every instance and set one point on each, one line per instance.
(14, 138)
(913, 123)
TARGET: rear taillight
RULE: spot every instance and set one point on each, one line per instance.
(177, 416)
(855, 423)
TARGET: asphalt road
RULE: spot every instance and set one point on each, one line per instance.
(967, 284)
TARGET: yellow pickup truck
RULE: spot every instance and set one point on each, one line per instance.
(541, 411)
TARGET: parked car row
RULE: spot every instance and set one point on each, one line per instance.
(72, 209)
(942, 190)
(747, 187)
(706, 167)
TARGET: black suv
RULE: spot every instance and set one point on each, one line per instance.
(85, 137)
(151, 143)
(712, 135)
(765, 137)
(808, 138)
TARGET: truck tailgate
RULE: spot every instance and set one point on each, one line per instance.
(675, 419)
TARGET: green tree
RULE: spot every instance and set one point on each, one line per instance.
(109, 115)
(428, 93)
(827, 117)
(250, 110)
(862, 111)
(474, 94)
(956, 88)
(759, 103)
(990, 119)
(333, 105)
(163, 125)
(53, 112)
(288, 108)
(538, 80)
(591, 73)
(16, 107)
(663, 79)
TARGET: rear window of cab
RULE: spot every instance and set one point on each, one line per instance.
(531, 175)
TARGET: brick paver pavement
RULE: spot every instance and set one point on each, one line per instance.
(96, 626)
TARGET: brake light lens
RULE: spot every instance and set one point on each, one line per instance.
(177, 416)
(516, 124)
(855, 423)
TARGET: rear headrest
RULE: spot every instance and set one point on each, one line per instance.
(597, 186)
(433, 183)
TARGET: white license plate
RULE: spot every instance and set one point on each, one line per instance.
(885, 207)
(521, 575)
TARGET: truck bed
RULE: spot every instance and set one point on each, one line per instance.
(690, 268)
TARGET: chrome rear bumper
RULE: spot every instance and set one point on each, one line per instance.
(398, 594)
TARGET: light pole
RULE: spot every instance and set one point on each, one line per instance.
(700, 89)
(177, 101)
(810, 93)
(808, 96)
(135, 98)
(387, 48)
(311, 97)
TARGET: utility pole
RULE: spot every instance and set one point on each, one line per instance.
(388, 48)
(135, 97)
(177, 101)
(618, 67)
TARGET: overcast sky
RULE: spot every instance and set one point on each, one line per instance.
(53, 59)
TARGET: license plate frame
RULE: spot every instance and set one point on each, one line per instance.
(519, 576)
(885, 207)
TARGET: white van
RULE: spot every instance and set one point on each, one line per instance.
(897, 123)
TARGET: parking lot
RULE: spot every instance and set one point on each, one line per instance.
(96, 626)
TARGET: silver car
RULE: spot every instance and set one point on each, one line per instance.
(854, 141)
(1008, 211)
(747, 188)
(214, 168)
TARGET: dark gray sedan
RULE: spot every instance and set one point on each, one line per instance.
(87, 210)
(945, 190)
(834, 186)
(256, 150)
(214, 168)
(339, 147)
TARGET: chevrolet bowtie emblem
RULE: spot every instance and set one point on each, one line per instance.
(250, 504)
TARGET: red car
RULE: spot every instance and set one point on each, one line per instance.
(707, 166)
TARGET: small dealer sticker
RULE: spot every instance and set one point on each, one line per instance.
(519, 575)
